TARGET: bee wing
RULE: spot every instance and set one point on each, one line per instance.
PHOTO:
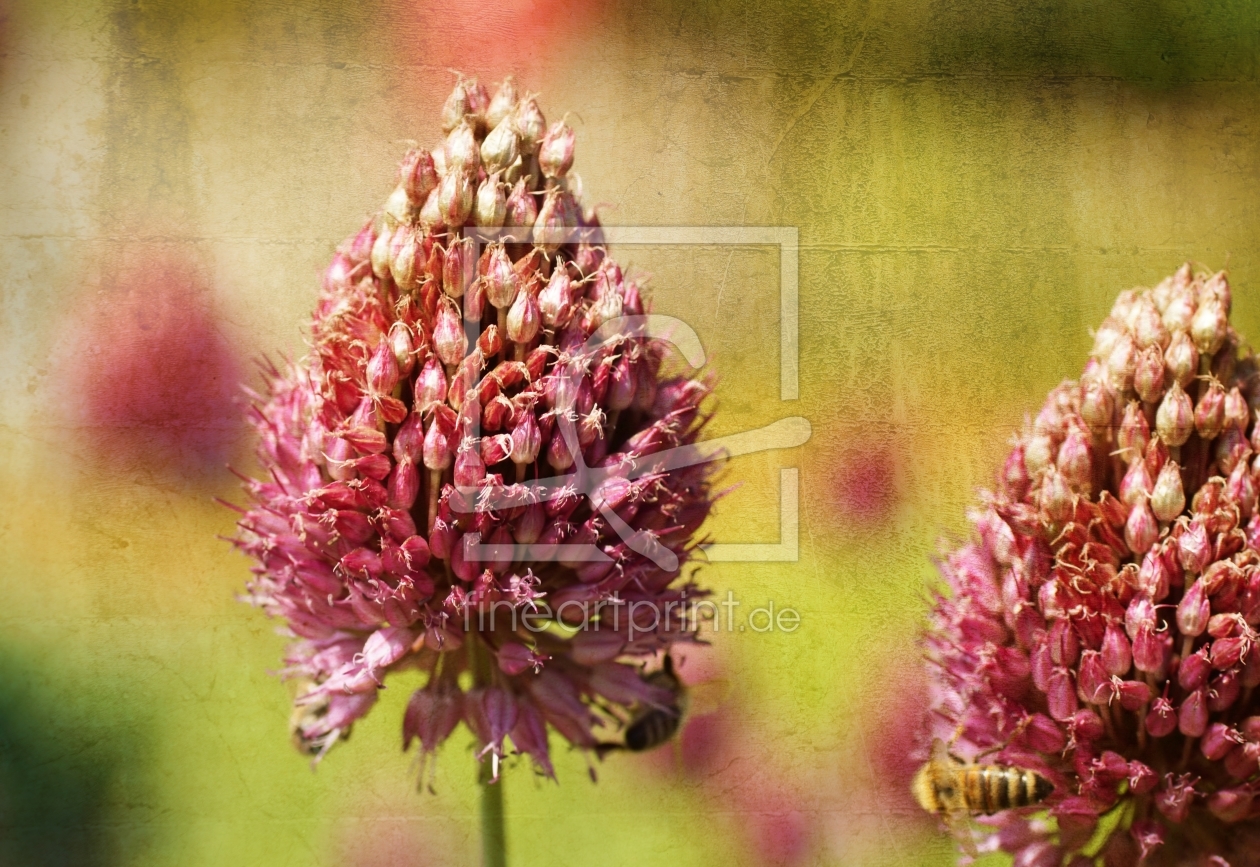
(959, 824)
(705, 698)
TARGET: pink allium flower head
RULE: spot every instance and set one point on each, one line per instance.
(482, 442)
(1101, 630)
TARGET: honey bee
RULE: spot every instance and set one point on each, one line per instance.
(956, 790)
(656, 725)
(306, 714)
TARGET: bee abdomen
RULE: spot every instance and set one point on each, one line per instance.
(652, 730)
(989, 789)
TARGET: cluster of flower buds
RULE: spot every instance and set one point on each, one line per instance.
(470, 474)
(1102, 631)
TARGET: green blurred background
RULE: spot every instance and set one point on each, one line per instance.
(972, 183)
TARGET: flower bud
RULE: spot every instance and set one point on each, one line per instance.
(430, 385)
(1141, 530)
(461, 151)
(501, 148)
(469, 468)
(1117, 653)
(403, 250)
(1136, 485)
(549, 228)
(554, 301)
(449, 341)
(458, 267)
(1148, 327)
(431, 212)
(1193, 610)
(1152, 651)
(382, 369)
(1182, 359)
(522, 210)
(380, 256)
(1075, 461)
(523, 319)
(437, 440)
(1098, 405)
(500, 279)
(1122, 363)
(1038, 452)
(1210, 326)
(503, 104)
(1194, 670)
(455, 198)
(555, 152)
(1148, 377)
(491, 207)
(456, 105)
(1153, 576)
(1175, 418)
(530, 123)
(1179, 311)
(1168, 499)
(526, 440)
(1056, 497)
(1135, 433)
(417, 176)
(1209, 415)
(1192, 716)
(1194, 549)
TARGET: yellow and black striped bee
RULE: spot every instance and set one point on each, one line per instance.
(956, 790)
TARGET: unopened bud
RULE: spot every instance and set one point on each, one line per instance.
(417, 176)
(1134, 433)
(456, 105)
(523, 319)
(555, 152)
(1122, 362)
(500, 149)
(380, 247)
(1038, 452)
(1148, 327)
(430, 385)
(470, 470)
(1148, 378)
(499, 279)
(1182, 359)
(1168, 499)
(1074, 460)
(1141, 529)
(1194, 549)
(526, 440)
(1098, 405)
(1175, 418)
(461, 150)
(448, 333)
(1056, 497)
(549, 227)
(554, 300)
(455, 198)
(530, 123)
(1179, 312)
(403, 347)
(1193, 610)
(437, 439)
(1209, 415)
(491, 207)
(1237, 413)
(1210, 326)
(490, 342)
(1136, 485)
(522, 210)
(503, 103)
(458, 267)
(431, 212)
(402, 258)
(382, 369)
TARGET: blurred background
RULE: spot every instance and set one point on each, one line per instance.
(972, 184)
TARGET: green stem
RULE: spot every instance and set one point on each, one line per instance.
(493, 838)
